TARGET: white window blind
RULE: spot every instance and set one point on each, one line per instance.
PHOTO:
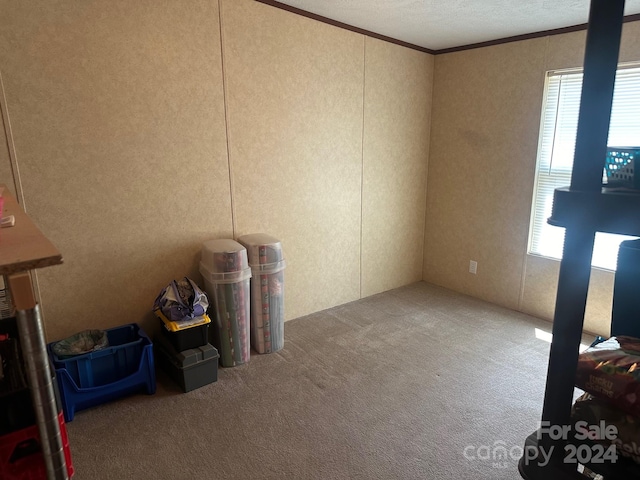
(556, 148)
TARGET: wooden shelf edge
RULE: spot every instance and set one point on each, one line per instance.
(31, 265)
(23, 247)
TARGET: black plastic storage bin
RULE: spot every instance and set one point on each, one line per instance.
(16, 411)
(188, 338)
(626, 291)
(16, 404)
(191, 369)
(16, 408)
(13, 377)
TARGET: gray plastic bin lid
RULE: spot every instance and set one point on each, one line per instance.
(217, 258)
(226, 247)
(272, 261)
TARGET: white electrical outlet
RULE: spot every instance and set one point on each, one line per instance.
(473, 266)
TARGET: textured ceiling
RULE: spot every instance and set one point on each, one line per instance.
(438, 24)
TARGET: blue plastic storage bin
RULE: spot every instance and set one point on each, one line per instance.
(125, 367)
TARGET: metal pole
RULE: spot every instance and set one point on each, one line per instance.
(42, 391)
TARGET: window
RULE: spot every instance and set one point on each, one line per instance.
(555, 154)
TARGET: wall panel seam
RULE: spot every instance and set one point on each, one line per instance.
(13, 161)
(226, 121)
(364, 98)
(426, 185)
(426, 170)
(523, 271)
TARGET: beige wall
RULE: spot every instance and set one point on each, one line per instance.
(5, 165)
(142, 129)
(486, 114)
(396, 148)
(120, 139)
(6, 144)
(486, 103)
(125, 116)
(294, 96)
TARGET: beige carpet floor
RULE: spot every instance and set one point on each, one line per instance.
(414, 383)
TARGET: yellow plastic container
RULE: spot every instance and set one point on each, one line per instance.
(182, 324)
